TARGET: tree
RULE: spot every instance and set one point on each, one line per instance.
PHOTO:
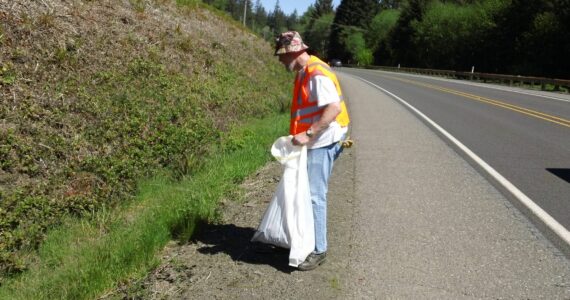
(277, 20)
(259, 17)
(318, 18)
(449, 34)
(248, 12)
(512, 19)
(561, 9)
(292, 21)
(377, 35)
(390, 4)
(353, 38)
(401, 40)
(306, 22)
(317, 36)
(322, 7)
(545, 46)
(357, 13)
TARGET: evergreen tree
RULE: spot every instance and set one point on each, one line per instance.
(317, 31)
(277, 20)
(317, 36)
(306, 17)
(293, 21)
(561, 9)
(305, 21)
(350, 13)
(322, 7)
(401, 40)
(259, 17)
(233, 9)
(248, 12)
(545, 46)
(390, 4)
(503, 42)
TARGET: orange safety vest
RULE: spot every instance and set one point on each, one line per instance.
(304, 109)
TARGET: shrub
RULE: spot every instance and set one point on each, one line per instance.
(83, 122)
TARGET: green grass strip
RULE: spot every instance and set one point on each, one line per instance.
(85, 258)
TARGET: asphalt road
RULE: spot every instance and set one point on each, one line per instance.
(525, 137)
(425, 223)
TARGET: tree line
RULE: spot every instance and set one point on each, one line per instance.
(495, 36)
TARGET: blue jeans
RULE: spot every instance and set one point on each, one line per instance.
(320, 164)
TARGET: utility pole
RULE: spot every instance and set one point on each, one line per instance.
(244, 11)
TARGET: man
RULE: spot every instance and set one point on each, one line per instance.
(319, 119)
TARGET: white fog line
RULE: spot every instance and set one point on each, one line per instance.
(542, 215)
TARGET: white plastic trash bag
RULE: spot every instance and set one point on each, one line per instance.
(288, 221)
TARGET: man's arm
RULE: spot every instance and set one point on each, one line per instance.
(329, 115)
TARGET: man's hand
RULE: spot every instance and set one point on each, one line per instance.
(329, 114)
(300, 139)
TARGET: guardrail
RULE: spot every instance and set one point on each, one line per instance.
(511, 80)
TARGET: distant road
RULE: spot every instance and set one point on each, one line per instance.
(523, 136)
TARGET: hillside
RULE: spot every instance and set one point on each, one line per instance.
(96, 95)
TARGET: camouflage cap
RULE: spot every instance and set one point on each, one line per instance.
(289, 42)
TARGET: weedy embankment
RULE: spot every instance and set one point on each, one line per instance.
(98, 95)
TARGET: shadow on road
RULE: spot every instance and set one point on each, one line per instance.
(564, 174)
(235, 241)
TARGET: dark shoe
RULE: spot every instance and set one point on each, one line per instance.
(313, 261)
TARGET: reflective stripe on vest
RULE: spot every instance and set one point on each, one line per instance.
(304, 108)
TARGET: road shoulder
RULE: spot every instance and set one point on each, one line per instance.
(220, 262)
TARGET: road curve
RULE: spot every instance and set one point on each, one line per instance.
(426, 224)
(524, 137)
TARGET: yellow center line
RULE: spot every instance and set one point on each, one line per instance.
(522, 110)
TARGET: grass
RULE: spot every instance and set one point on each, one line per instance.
(82, 122)
(85, 258)
(79, 132)
(335, 283)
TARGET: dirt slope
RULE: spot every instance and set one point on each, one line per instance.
(97, 94)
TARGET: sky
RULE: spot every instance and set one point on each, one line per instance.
(288, 6)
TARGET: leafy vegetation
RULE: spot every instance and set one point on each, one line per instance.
(110, 94)
(495, 36)
(84, 258)
(351, 16)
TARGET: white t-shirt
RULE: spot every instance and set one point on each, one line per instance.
(323, 89)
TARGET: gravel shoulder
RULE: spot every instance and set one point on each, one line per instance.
(221, 263)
